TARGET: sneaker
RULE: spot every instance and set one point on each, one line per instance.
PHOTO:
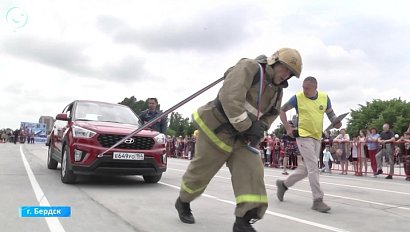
(389, 177)
(280, 184)
(379, 172)
(408, 178)
(242, 225)
(184, 212)
(320, 206)
(285, 173)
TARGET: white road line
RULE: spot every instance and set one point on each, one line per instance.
(322, 226)
(367, 188)
(360, 179)
(346, 185)
(183, 162)
(52, 222)
(355, 187)
(350, 198)
(330, 195)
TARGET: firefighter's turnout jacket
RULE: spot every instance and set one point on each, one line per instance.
(235, 107)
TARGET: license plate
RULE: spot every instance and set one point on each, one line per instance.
(128, 156)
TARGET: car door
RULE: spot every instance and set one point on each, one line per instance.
(60, 128)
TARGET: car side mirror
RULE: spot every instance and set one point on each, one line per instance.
(62, 117)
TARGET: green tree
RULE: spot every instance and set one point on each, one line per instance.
(181, 126)
(171, 132)
(189, 131)
(280, 130)
(136, 106)
(395, 112)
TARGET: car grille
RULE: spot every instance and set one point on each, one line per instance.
(140, 143)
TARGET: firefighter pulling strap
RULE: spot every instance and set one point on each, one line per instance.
(154, 120)
(259, 103)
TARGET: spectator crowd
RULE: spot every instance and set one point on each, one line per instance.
(371, 153)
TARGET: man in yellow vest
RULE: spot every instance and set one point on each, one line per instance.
(310, 106)
(231, 126)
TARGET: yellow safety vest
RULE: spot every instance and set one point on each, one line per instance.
(310, 114)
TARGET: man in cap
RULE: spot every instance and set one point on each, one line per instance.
(231, 126)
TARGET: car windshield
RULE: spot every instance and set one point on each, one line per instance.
(103, 112)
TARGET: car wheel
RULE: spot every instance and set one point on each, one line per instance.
(153, 178)
(51, 163)
(67, 175)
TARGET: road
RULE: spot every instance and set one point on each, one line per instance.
(102, 203)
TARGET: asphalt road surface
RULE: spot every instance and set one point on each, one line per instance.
(106, 203)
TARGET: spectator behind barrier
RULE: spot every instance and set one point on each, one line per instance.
(342, 152)
(406, 140)
(386, 139)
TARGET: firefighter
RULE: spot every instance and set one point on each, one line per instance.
(230, 126)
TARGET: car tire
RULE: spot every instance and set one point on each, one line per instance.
(67, 175)
(152, 178)
(51, 163)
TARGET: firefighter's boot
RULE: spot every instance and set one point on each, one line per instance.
(244, 224)
(184, 212)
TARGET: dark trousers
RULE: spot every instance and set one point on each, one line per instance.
(407, 162)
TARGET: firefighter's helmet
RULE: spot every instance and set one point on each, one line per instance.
(290, 58)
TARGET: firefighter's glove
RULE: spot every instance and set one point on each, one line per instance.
(255, 133)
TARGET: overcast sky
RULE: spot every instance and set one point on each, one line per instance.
(54, 52)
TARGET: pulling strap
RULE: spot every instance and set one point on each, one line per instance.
(261, 86)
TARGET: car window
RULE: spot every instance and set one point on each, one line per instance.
(103, 112)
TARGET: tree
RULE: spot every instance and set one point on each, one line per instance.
(136, 106)
(171, 132)
(395, 112)
(190, 129)
(280, 130)
(180, 126)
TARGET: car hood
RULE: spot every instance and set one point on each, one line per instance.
(113, 128)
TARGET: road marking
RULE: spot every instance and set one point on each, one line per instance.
(350, 198)
(183, 162)
(322, 226)
(355, 187)
(52, 222)
(330, 195)
(343, 185)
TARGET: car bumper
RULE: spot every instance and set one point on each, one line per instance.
(107, 165)
(152, 164)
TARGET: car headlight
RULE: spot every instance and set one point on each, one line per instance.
(79, 132)
(160, 138)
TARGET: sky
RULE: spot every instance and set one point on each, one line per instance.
(54, 52)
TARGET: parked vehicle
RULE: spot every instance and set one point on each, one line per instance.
(85, 129)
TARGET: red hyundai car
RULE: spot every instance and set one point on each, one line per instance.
(85, 129)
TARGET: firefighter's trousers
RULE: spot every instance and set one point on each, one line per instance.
(246, 169)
